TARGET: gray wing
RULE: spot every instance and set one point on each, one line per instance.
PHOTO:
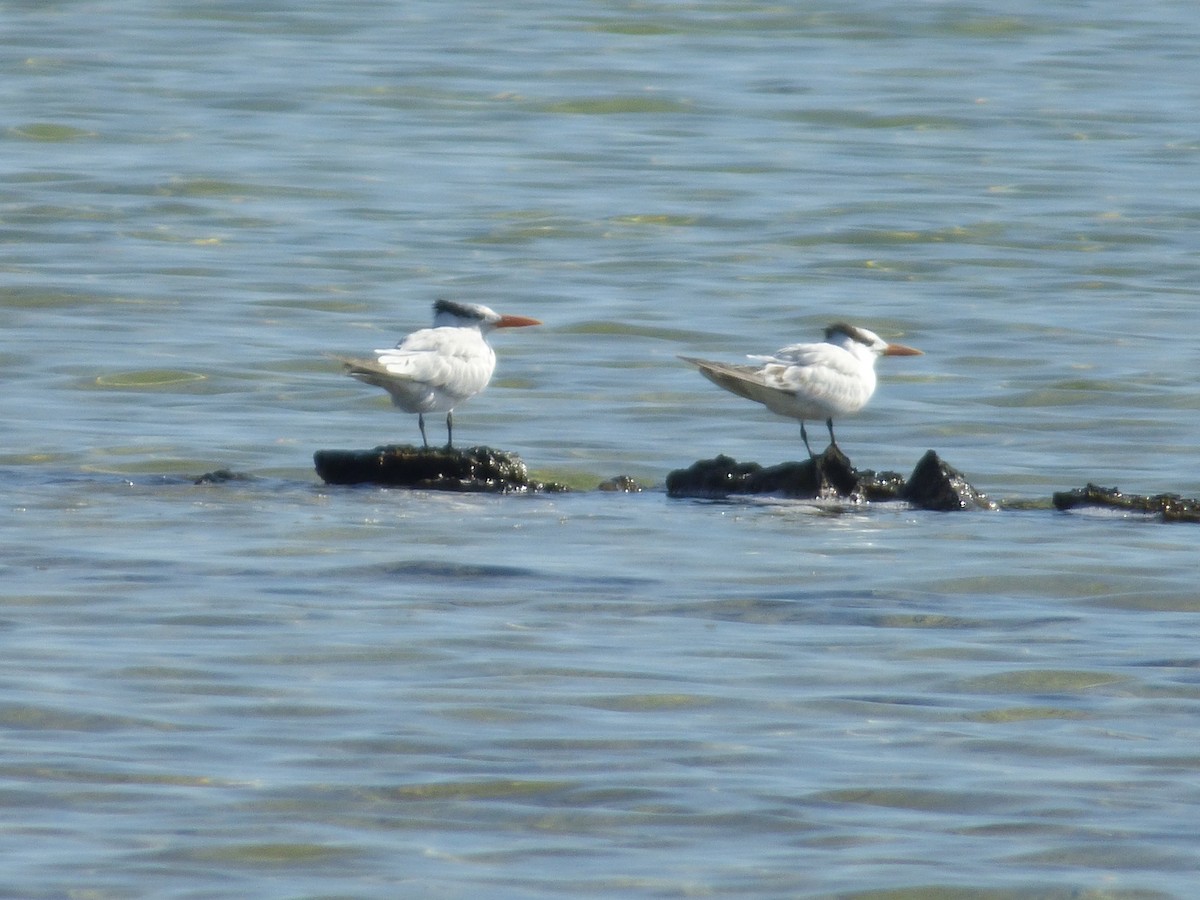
(745, 381)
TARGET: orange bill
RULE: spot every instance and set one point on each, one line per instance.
(516, 322)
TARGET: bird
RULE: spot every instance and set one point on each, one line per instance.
(820, 380)
(435, 369)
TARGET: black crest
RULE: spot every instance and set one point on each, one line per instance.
(461, 310)
(849, 331)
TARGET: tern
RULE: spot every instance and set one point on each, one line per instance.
(435, 369)
(835, 377)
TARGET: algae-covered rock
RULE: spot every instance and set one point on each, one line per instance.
(1170, 507)
(471, 470)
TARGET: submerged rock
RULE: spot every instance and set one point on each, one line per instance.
(620, 484)
(222, 476)
(1171, 507)
(473, 470)
(933, 484)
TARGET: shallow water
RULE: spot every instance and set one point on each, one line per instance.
(274, 688)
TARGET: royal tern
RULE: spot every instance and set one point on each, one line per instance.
(810, 381)
(435, 369)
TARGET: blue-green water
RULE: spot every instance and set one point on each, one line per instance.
(272, 688)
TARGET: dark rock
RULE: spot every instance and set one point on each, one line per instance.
(1170, 507)
(620, 484)
(835, 475)
(933, 485)
(473, 470)
(827, 476)
(937, 485)
(881, 486)
(722, 476)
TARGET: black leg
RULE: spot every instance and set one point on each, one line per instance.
(449, 429)
(804, 435)
(421, 425)
(829, 425)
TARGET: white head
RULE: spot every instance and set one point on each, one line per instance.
(863, 343)
(450, 313)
